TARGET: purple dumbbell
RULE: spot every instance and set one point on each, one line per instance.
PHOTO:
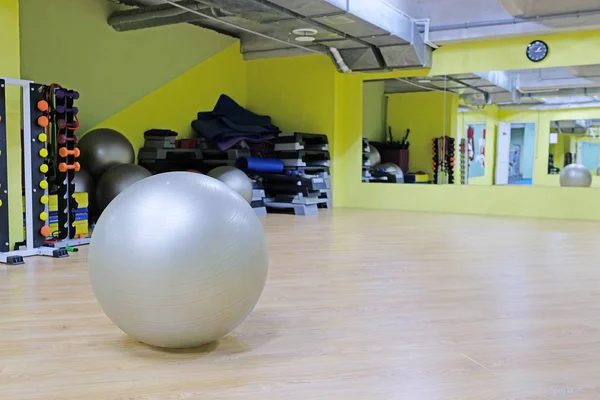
(63, 109)
(61, 93)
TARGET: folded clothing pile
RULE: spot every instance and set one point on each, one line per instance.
(229, 123)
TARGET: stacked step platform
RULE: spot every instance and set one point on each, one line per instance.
(366, 161)
(305, 184)
(162, 152)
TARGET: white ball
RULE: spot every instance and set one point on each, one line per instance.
(178, 260)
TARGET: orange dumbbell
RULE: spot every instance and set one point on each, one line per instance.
(42, 105)
(63, 152)
(43, 121)
(63, 167)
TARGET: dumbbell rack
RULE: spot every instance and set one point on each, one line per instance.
(36, 121)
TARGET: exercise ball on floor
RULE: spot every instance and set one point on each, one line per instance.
(374, 156)
(178, 260)
(575, 175)
(234, 178)
(102, 149)
(117, 179)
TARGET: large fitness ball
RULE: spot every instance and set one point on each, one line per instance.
(117, 179)
(102, 149)
(575, 175)
(234, 178)
(178, 260)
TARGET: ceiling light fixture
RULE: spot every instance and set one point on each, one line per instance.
(305, 34)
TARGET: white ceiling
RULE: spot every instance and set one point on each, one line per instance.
(467, 20)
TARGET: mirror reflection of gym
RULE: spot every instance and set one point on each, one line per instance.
(484, 128)
(574, 151)
(417, 132)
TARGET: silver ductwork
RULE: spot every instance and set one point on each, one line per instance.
(364, 35)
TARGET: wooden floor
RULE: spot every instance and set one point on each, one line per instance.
(358, 305)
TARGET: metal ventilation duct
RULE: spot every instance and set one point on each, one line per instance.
(533, 8)
(368, 35)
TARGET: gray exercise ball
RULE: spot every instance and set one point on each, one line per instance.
(84, 182)
(102, 149)
(117, 179)
(374, 156)
(575, 175)
(178, 260)
(234, 178)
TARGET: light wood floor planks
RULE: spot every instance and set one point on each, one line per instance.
(358, 305)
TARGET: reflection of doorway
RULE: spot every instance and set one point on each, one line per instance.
(515, 154)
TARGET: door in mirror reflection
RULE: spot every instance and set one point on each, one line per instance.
(515, 154)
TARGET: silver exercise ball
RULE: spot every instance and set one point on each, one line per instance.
(178, 260)
(575, 175)
(235, 179)
(117, 179)
(390, 168)
(374, 156)
(102, 149)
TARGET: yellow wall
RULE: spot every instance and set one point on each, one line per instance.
(535, 201)
(112, 70)
(175, 105)
(426, 116)
(10, 67)
(298, 92)
(374, 124)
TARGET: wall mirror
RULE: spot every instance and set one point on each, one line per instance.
(513, 127)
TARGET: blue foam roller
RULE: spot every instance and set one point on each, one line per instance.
(265, 165)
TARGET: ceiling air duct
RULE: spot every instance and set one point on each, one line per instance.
(357, 35)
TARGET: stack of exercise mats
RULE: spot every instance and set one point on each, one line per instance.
(163, 152)
(228, 124)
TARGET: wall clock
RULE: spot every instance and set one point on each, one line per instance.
(537, 51)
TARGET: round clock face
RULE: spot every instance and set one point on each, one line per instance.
(537, 51)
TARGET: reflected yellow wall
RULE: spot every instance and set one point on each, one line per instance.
(374, 124)
(535, 201)
(425, 114)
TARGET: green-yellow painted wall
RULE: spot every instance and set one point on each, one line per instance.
(535, 201)
(112, 70)
(425, 114)
(10, 68)
(374, 124)
(174, 105)
(297, 92)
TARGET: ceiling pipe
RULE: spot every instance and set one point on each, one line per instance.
(563, 106)
(339, 60)
(513, 21)
(229, 24)
(142, 15)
